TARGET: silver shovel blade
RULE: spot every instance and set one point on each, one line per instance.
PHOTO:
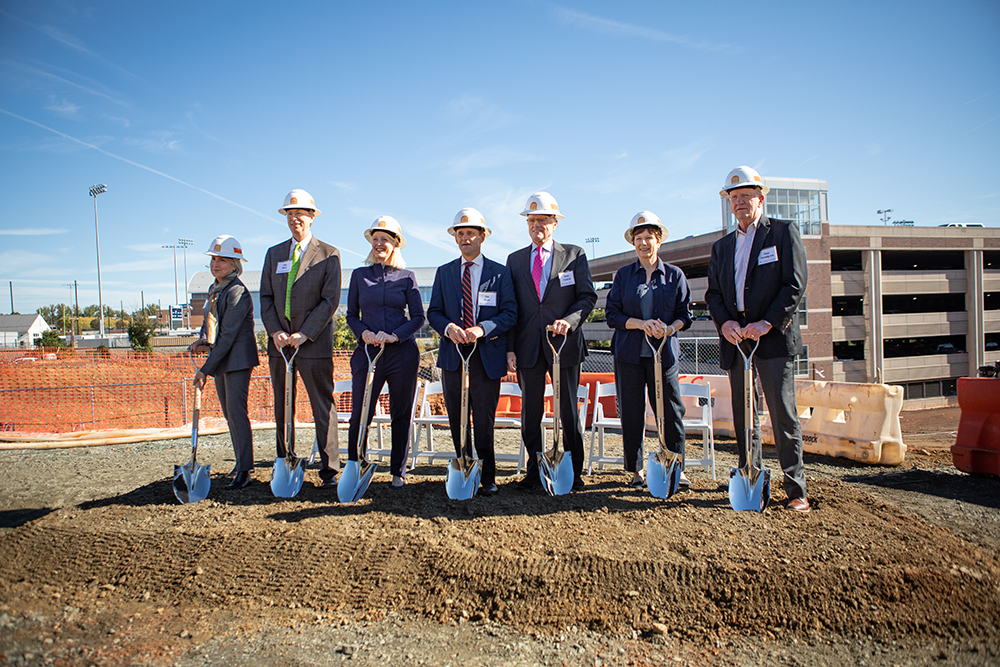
(287, 476)
(745, 494)
(354, 481)
(556, 473)
(663, 474)
(192, 486)
(462, 483)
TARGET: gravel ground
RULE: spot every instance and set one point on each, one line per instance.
(101, 565)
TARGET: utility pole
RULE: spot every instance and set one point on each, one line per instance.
(12, 297)
(170, 319)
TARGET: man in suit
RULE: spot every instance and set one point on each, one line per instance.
(300, 316)
(553, 287)
(756, 278)
(473, 302)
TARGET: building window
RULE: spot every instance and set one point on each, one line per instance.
(802, 362)
(803, 313)
(800, 206)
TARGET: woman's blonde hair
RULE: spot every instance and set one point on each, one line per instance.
(395, 259)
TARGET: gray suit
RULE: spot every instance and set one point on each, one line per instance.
(773, 288)
(570, 302)
(315, 296)
(231, 361)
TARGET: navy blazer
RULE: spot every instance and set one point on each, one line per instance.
(235, 347)
(772, 290)
(378, 300)
(570, 302)
(446, 308)
(671, 301)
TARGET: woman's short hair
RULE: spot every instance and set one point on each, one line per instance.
(654, 229)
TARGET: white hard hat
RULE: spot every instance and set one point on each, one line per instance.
(386, 223)
(469, 217)
(542, 203)
(743, 177)
(645, 219)
(225, 246)
(299, 199)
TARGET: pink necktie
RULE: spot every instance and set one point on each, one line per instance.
(536, 272)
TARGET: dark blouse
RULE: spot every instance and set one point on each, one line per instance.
(671, 300)
(378, 298)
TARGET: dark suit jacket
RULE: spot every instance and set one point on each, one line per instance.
(446, 308)
(315, 296)
(572, 303)
(235, 346)
(772, 290)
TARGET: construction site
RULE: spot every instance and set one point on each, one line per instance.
(895, 565)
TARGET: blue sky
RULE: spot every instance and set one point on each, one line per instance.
(200, 116)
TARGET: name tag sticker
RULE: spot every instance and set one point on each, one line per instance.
(566, 279)
(284, 267)
(487, 298)
(767, 255)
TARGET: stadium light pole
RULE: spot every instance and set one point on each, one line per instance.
(94, 191)
(885, 216)
(176, 297)
(592, 240)
(186, 243)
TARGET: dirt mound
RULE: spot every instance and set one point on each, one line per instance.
(608, 558)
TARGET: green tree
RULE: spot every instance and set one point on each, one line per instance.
(50, 338)
(140, 334)
(597, 315)
(343, 337)
(262, 341)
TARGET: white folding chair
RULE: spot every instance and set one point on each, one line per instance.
(597, 426)
(343, 418)
(511, 390)
(426, 419)
(582, 400)
(383, 418)
(698, 417)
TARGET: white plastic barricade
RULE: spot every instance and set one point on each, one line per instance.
(846, 419)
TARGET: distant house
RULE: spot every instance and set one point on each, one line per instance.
(21, 330)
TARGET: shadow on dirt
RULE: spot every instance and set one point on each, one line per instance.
(17, 518)
(975, 490)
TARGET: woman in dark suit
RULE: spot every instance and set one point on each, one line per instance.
(644, 296)
(227, 333)
(378, 300)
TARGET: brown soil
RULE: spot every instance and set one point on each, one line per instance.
(99, 564)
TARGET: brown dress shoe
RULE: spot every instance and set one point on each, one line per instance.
(800, 505)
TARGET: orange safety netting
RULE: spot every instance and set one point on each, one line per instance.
(65, 390)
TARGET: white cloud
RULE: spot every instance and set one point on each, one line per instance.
(478, 114)
(32, 231)
(159, 142)
(620, 29)
(490, 157)
(874, 149)
(345, 186)
(62, 107)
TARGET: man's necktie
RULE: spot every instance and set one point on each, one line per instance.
(536, 273)
(291, 279)
(468, 312)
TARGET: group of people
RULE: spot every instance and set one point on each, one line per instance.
(757, 276)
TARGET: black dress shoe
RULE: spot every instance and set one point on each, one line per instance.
(232, 473)
(577, 483)
(529, 483)
(490, 490)
(328, 483)
(242, 479)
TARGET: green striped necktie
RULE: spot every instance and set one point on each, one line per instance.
(296, 255)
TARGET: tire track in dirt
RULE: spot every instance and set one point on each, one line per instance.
(608, 571)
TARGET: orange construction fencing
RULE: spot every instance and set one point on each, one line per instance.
(65, 390)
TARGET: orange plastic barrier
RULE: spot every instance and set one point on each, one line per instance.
(977, 447)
